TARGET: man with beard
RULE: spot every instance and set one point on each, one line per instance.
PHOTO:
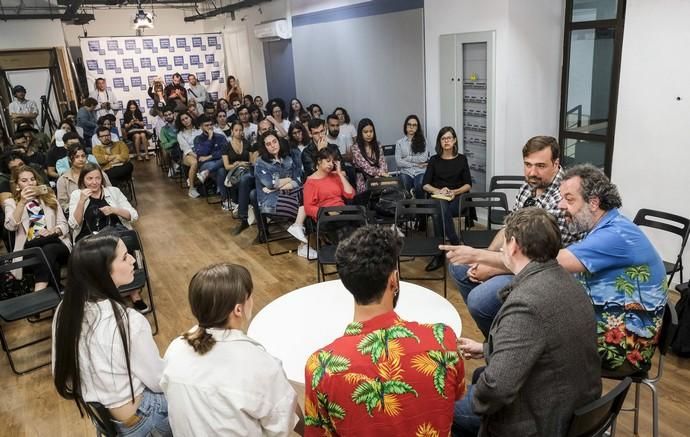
(333, 137)
(478, 283)
(616, 263)
(381, 377)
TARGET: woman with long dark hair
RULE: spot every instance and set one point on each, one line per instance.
(411, 156)
(447, 177)
(216, 360)
(236, 155)
(136, 129)
(296, 110)
(298, 138)
(367, 155)
(103, 351)
(347, 129)
(315, 111)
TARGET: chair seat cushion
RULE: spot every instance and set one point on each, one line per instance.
(414, 246)
(326, 254)
(478, 239)
(138, 282)
(28, 304)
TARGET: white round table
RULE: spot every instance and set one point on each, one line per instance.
(298, 323)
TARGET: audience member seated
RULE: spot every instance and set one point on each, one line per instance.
(541, 352)
(256, 114)
(347, 129)
(318, 142)
(86, 119)
(108, 103)
(63, 164)
(108, 121)
(186, 133)
(236, 161)
(67, 125)
(333, 136)
(36, 140)
(37, 220)
(196, 89)
(208, 147)
(222, 124)
(259, 103)
(367, 155)
(136, 130)
(327, 186)
(56, 152)
(278, 188)
(479, 284)
(296, 111)
(72, 116)
(113, 157)
(275, 116)
(68, 182)
(232, 89)
(235, 104)
(32, 156)
(175, 92)
(103, 351)
(195, 108)
(385, 376)
(616, 263)
(297, 142)
(167, 140)
(223, 105)
(244, 117)
(447, 176)
(157, 93)
(411, 156)
(315, 110)
(217, 380)
(247, 100)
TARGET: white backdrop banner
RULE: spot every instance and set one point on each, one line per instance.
(129, 64)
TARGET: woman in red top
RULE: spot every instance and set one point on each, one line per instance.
(327, 186)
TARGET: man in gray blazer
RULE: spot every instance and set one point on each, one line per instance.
(541, 352)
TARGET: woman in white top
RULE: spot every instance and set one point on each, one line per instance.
(275, 116)
(186, 132)
(102, 351)
(218, 381)
(347, 129)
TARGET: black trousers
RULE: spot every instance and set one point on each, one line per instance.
(57, 255)
(121, 173)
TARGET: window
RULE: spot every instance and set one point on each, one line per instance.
(589, 85)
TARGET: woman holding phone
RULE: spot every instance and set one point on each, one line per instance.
(36, 217)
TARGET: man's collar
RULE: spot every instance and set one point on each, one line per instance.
(382, 321)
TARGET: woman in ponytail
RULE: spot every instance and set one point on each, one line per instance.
(217, 380)
(103, 351)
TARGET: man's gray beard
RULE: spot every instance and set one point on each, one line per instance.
(583, 221)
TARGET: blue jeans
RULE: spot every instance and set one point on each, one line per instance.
(153, 411)
(450, 210)
(240, 194)
(465, 422)
(216, 169)
(416, 182)
(482, 299)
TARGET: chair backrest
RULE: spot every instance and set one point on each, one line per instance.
(413, 208)
(596, 417)
(383, 182)
(489, 200)
(101, 419)
(672, 223)
(131, 239)
(506, 183)
(348, 213)
(22, 259)
(389, 155)
(669, 326)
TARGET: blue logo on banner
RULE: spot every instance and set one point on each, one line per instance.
(194, 59)
(111, 44)
(136, 81)
(94, 46)
(167, 78)
(164, 43)
(150, 78)
(110, 64)
(178, 60)
(92, 64)
(125, 88)
(196, 41)
(130, 44)
(212, 40)
(210, 59)
(180, 42)
(118, 82)
(147, 43)
(201, 76)
(214, 95)
(145, 62)
(149, 103)
(128, 63)
(162, 61)
(215, 74)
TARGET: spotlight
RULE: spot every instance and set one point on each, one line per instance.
(143, 20)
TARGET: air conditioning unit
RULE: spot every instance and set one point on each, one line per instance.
(279, 29)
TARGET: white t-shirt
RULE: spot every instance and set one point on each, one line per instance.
(102, 363)
(235, 389)
(250, 133)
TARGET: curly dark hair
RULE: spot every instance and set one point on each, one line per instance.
(595, 184)
(365, 260)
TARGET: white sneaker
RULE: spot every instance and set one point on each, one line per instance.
(305, 251)
(235, 211)
(176, 166)
(297, 231)
(396, 229)
(202, 175)
(171, 173)
(251, 215)
(193, 193)
(225, 205)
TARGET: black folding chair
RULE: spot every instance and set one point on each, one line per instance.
(598, 417)
(672, 223)
(493, 201)
(21, 307)
(503, 183)
(375, 187)
(273, 228)
(669, 326)
(418, 243)
(334, 223)
(141, 272)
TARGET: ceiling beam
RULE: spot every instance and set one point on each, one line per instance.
(128, 3)
(243, 4)
(53, 16)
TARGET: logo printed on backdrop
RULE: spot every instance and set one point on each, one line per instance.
(147, 43)
(130, 44)
(128, 64)
(181, 42)
(210, 58)
(145, 62)
(193, 59)
(92, 65)
(118, 82)
(178, 60)
(94, 46)
(164, 43)
(196, 41)
(201, 76)
(162, 61)
(110, 64)
(135, 81)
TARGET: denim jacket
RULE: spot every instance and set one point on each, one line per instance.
(264, 171)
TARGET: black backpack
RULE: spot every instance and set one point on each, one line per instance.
(681, 342)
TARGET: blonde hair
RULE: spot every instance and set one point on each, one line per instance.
(49, 199)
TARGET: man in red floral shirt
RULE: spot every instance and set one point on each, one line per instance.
(384, 376)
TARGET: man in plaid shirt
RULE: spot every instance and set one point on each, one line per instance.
(479, 284)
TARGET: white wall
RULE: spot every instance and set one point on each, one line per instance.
(529, 37)
(25, 34)
(651, 157)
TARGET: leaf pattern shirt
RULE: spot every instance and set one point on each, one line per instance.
(626, 281)
(385, 376)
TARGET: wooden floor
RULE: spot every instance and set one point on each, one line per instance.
(180, 235)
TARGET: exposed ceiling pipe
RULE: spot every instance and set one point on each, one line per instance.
(54, 16)
(225, 9)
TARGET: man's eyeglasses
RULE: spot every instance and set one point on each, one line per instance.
(104, 136)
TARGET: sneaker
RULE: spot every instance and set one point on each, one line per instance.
(225, 205)
(297, 231)
(176, 167)
(171, 173)
(202, 175)
(140, 305)
(236, 212)
(400, 233)
(241, 227)
(193, 193)
(305, 251)
(251, 219)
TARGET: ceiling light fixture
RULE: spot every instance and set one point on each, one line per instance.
(143, 20)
